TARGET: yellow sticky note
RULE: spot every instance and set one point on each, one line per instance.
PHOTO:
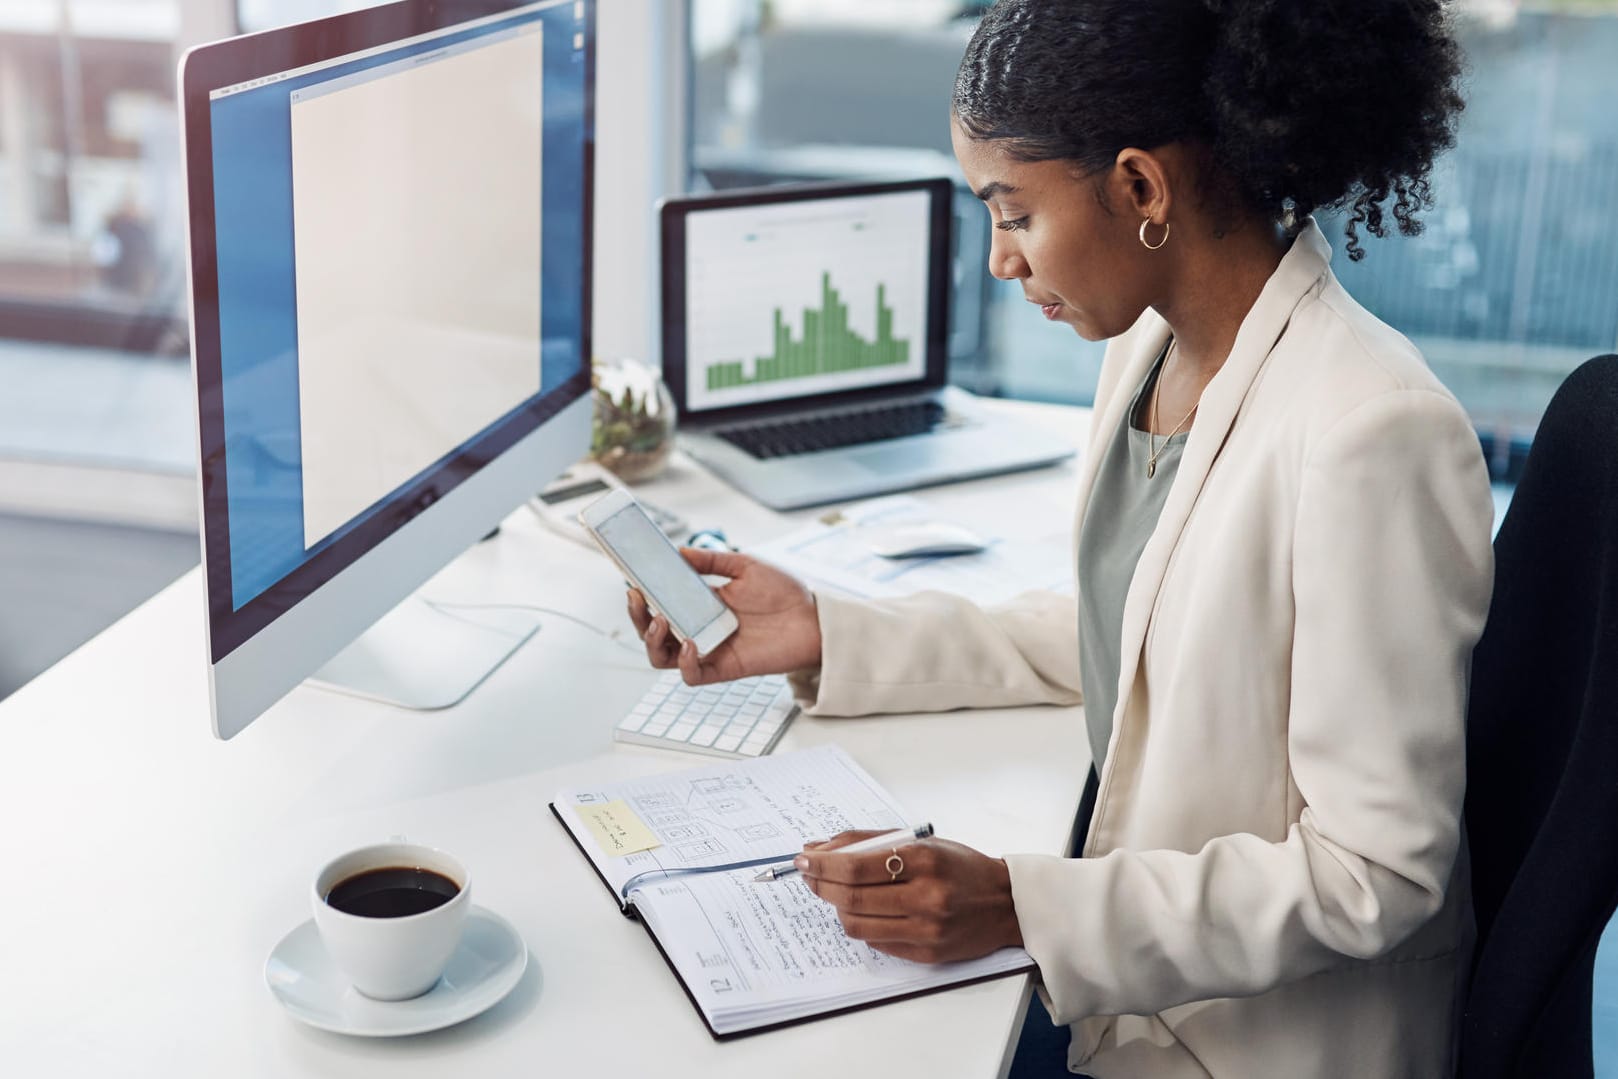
(616, 828)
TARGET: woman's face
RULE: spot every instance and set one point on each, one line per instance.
(1072, 255)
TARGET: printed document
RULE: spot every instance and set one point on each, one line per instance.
(830, 551)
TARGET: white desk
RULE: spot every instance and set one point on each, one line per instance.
(146, 870)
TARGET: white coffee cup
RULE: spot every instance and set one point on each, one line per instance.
(391, 958)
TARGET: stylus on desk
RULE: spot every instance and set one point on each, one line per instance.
(887, 840)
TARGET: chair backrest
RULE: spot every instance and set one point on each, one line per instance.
(1542, 747)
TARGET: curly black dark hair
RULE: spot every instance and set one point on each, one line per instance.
(1299, 104)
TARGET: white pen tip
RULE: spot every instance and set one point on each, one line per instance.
(768, 874)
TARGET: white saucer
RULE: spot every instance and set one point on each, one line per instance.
(486, 966)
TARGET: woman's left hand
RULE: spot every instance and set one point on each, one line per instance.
(948, 902)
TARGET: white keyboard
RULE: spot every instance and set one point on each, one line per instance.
(744, 718)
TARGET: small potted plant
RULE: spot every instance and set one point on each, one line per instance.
(633, 429)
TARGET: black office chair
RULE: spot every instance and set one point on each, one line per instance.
(1542, 747)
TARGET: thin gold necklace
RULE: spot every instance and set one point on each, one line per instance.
(1157, 391)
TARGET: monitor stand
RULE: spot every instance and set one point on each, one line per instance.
(425, 656)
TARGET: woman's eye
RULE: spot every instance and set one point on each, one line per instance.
(1012, 224)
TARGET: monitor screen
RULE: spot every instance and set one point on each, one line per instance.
(792, 293)
(399, 245)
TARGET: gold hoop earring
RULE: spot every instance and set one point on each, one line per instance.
(1160, 243)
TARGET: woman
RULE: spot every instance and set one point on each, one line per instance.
(1283, 554)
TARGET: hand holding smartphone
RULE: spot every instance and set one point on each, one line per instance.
(652, 564)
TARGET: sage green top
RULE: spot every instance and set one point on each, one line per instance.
(1123, 511)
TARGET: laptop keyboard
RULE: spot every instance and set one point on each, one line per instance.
(833, 430)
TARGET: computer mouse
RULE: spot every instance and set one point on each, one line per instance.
(922, 538)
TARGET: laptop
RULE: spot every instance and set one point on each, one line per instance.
(805, 343)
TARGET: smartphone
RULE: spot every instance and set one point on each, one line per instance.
(672, 588)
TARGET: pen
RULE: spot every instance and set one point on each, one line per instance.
(877, 842)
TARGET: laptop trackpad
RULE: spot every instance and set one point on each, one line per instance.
(905, 455)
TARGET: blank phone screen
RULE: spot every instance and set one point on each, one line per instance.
(669, 582)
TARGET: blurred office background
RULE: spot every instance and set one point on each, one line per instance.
(1514, 282)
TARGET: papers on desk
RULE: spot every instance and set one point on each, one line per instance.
(752, 955)
(830, 552)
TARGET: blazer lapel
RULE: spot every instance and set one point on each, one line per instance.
(1300, 269)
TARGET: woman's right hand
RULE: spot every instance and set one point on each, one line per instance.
(778, 628)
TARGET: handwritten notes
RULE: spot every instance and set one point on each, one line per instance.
(686, 845)
(616, 828)
(757, 954)
(725, 812)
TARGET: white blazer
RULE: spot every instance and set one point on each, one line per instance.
(1270, 884)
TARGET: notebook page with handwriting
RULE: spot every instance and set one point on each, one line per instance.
(682, 850)
(755, 954)
(726, 813)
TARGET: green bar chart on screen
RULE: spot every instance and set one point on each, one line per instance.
(825, 345)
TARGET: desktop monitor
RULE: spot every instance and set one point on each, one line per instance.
(390, 283)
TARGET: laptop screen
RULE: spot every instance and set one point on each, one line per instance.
(804, 294)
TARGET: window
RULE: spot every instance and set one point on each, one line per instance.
(1512, 285)
(91, 214)
(256, 15)
(93, 338)
(97, 500)
(821, 89)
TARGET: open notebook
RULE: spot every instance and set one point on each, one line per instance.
(681, 850)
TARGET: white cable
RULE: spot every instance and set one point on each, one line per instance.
(613, 635)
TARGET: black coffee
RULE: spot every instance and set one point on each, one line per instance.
(395, 892)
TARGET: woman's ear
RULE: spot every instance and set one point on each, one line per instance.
(1140, 185)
